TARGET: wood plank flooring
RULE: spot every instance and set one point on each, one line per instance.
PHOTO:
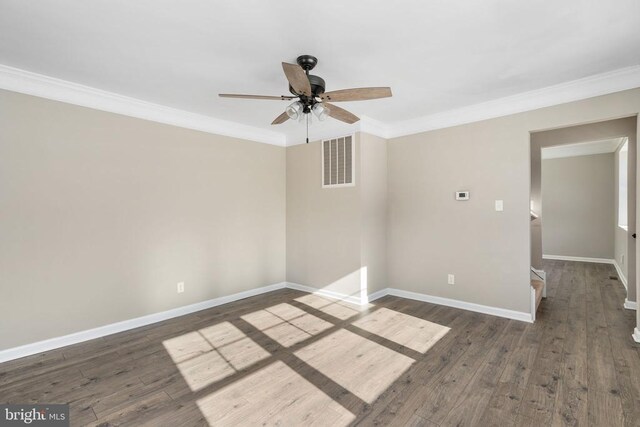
(289, 358)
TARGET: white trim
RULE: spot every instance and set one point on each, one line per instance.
(636, 335)
(327, 293)
(378, 294)
(588, 87)
(533, 303)
(579, 259)
(494, 311)
(17, 80)
(373, 127)
(579, 149)
(630, 305)
(77, 337)
(623, 279)
(485, 309)
(30, 83)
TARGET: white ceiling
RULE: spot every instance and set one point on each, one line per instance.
(437, 55)
(582, 149)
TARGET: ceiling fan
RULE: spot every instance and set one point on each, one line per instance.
(309, 95)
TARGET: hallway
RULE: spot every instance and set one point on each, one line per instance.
(587, 366)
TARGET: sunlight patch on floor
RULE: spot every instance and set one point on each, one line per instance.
(187, 346)
(409, 331)
(286, 324)
(213, 353)
(274, 395)
(361, 366)
(332, 307)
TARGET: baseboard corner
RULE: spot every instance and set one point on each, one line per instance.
(621, 276)
(378, 294)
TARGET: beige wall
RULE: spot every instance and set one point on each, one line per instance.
(102, 215)
(596, 131)
(578, 198)
(374, 204)
(323, 224)
(431, 235)
(336, 237)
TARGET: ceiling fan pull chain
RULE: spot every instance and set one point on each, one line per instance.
(307, 128)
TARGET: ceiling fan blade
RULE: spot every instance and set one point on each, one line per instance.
(357, 94)
(341, 114)
(280, 119)
(297, 78)
(278, 98)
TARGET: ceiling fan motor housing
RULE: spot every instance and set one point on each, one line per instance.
(317, 86)
(308, 63)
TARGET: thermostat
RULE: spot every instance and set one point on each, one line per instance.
(462, 195)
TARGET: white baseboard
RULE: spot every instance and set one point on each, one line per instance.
(485, 309)
(379, 294)
(579, 259)
(636, 335)
(621, 276)
(326, 293)
(494, 311)
(77, 337)
(630, 305)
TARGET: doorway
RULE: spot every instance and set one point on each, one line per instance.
(583, 197)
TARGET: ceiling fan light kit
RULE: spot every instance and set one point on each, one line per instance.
(310, 96)
(321, 111)
(294, 110)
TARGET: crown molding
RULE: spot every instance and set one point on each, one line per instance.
(582, 149)
(588, 87)
(22, 81)
(17, 80)
(374, 127)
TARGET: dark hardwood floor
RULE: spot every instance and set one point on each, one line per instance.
(290, 358)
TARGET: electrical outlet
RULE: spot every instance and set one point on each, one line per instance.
(451, 279)
(180, 287)
(499, 205)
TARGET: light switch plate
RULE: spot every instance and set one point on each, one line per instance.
(499, 206)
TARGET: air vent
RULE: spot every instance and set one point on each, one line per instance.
(337, 162)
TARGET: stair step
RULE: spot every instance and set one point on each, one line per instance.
(538, 285)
